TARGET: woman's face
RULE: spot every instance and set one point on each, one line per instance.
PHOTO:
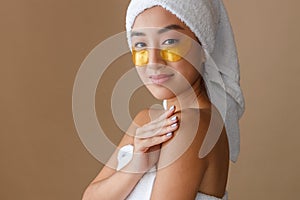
(157, 29)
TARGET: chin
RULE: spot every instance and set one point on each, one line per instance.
(160, 92)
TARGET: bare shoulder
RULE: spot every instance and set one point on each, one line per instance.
(179, 164)
(193, 125)
(146, 115)
(141, 117)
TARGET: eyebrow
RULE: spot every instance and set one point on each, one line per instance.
(170, 27)
(163, 30)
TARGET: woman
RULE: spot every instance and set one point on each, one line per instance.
(187, 58)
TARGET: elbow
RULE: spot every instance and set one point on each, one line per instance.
(94, 192)
(89, 193)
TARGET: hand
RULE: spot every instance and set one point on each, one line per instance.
(149, 137)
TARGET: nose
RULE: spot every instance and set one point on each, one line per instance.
(155, 59)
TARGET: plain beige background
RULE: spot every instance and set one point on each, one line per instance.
(42, 46)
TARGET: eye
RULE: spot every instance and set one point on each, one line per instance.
(171, 42)
(140, 45)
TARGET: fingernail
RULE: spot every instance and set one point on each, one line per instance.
(174, 118)
(169, 134)
(172, 108)
(174, 125)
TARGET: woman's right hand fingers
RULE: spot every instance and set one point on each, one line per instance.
(153, 141)
(163, 120)
(157, 131)
(149, 136)
(158, 128)
(143, 143)
(165, 115)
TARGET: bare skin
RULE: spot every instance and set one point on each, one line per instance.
(178, 164)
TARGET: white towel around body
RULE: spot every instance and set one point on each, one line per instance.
(143, 189)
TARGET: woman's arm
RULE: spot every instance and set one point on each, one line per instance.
(112, 184)
(116, 186)
(180, 170)
(107, 185)
(145, 135)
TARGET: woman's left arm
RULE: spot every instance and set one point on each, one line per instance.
(180, 170)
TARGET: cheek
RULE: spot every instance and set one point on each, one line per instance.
(142, 73)
(192, 75)
(186, 71)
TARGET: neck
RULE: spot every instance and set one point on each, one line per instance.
(191, 98)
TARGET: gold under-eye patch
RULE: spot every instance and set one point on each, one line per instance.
(173, 53)
(140, 57)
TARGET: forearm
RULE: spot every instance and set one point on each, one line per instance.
(118, 186)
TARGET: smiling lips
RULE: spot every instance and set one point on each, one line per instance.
(161, 78)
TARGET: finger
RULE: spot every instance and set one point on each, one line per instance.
(166, 114)
(157, 140)
(154, 127)
(168, 129)
(159, 131)
(167, 122)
